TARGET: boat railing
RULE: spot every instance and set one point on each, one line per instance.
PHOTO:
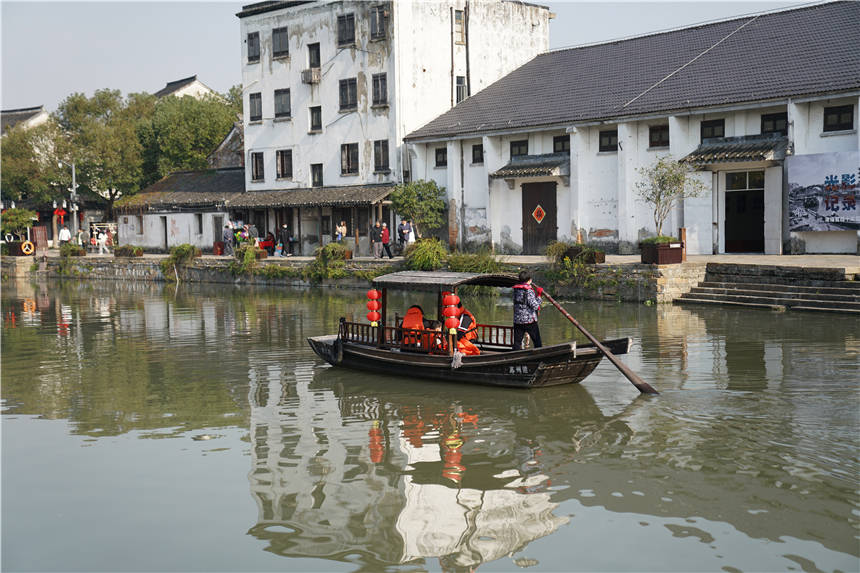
(491, 336)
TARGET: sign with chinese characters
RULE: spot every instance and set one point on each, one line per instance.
(823, 190)
(539, 214)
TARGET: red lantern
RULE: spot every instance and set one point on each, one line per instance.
(373, 294)
(373, 305)
(451, 323)
(450, 300)
(373, 316)
(450, 311)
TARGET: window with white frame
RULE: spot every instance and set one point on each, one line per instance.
(441, 157)
(255, 107)
(253, 47)
(280, 43)
(380, 155)
(459, 27)
(316, 118)
(316, 175)
(349, 159)
(839, 118)
(462, 92)
(346, 29)
(380, 89)
(282, 103)
(608, 140)
(257, 173)
(285, 163)
(348, 95)
(378, 22)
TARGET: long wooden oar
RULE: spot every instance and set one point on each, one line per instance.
(640, 384)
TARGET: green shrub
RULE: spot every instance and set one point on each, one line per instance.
(328, 263)
(274, 271)
(558, 251)
(180, 256)
(660, 239)
(334, 251)
(128, 251)
(484, 261)
(425, 255)
(72, 250)
(4, 249)
(246, 260)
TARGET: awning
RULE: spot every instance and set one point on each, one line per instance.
(442, 280)
(313, 197)
(738, 150)
(547, 165)
(207, 189)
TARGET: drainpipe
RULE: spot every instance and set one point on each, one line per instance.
(451, 87)
(462, 228)
(466, 29)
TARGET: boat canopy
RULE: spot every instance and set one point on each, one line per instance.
(441, 280)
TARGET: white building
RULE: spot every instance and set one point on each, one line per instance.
(26, 117)
(553, 150)
(332, 87)
(189, 86)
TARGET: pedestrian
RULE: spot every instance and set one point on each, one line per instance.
(386, 239)
(284, 237)
(527, 303)
(340, 231)
(376, 240)
(102, 242)
(227, 237)
(65, 235)
(403, 232)
(79, 238)
(411, 231)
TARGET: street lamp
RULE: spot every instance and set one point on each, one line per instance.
(73, 197)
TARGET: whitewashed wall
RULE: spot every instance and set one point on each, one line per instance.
(181, 229)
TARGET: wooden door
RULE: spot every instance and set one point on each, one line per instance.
(539, 217)
(745, 221)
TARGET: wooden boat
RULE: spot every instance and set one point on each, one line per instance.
(391, 349)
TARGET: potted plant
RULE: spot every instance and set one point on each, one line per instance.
(128, 251)
(664, 184)
(558, 251)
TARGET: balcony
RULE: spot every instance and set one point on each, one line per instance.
(311, 76)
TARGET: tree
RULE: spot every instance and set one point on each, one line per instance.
(234, 99)
(421, 201)
(667, 182)
(17, 221)
(29, 164)
(100, 137)
(186, 130)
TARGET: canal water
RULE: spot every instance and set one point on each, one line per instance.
(191, 428)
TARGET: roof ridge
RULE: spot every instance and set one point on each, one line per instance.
(20, 109)
(706, 23)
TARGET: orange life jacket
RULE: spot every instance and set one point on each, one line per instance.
(414, 320)
(465, 346)
(469, 332)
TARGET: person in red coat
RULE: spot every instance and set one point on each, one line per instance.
(386, 239)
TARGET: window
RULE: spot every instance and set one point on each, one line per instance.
(520, 147)
(346, 30)
(349, 159)
(348, 95)
(316, 118)
(774, 123)
(560, 143)
(316, 175)
(139, 225)
(314, 55)
(256, 106)
(478, 153)
(380, 89)
(285, 163)
(461, 88)
(257, 166)
(744, 180)
(280, 43)
(282, 103)
(380, 155)
(378, 22)
(713, 128)
(840, 118)
(198, 222)
(441, 157)
(658, 136)
(459, 28)
(253, 47)
(608, 140)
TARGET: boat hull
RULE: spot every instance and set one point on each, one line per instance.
(547, 366)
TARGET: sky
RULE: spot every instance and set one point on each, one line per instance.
(53, 49)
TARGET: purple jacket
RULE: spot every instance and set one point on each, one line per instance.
(526, 304)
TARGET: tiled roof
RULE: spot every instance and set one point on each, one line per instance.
(187, 189)
(792, 53)
(10, 117)
(175, 85)
(550, 164)
(317, 196)
(737, 149)
(268, 6)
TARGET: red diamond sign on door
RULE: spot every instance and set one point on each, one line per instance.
(539, 214)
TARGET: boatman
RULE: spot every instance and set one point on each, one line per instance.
(527, 303)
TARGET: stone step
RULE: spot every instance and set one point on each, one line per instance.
(685, 300)
(774, 300)
(854, 289)
(779, 271)
(786, 293)
(779, 280)
(836, 310)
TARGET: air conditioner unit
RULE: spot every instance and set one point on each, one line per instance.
(311, 76)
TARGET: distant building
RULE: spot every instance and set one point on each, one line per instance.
(553, 150)
(25, 116)
(330, 88)
(189, 86)
(231, 151)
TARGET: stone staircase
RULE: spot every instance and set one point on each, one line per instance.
(778, 288)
